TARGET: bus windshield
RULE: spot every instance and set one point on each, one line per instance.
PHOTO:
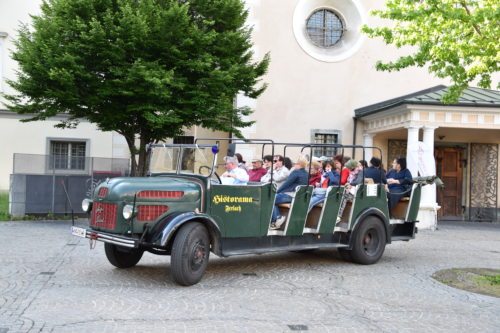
(191, 159)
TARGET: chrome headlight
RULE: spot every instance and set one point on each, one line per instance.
(86, 205)
(128, 211)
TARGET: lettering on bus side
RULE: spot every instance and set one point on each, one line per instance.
(218, 199)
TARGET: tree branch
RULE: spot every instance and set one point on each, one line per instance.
(464, 5)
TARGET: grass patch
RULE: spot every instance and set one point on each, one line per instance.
(4, 206)
(494, 280)
(484, 281)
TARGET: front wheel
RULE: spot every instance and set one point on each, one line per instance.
(369, 241)
(122, 257)
(190, 253)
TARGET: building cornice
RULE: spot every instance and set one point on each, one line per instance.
(6, 114)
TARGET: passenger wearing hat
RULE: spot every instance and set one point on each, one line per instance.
(257, 170)
(355, 172)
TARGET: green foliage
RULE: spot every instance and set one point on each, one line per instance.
(146, 69)
(494, 280)
(4, 206)
(457, 39)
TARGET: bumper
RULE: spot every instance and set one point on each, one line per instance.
(104, 237)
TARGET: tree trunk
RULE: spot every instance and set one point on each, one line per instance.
(143, 157)
(139, 166)
(133, 152)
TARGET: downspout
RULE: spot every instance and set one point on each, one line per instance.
(354, 132)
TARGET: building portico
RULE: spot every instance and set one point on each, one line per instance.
(459, 143)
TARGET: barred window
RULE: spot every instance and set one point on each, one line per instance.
(329, 138)
(67, 155)
(325, 28)
(184, 139)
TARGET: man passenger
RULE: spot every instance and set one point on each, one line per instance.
(233, 175)
(257, 170)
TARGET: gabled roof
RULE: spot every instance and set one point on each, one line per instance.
(470, 97)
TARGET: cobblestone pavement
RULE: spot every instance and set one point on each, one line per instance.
(51, 281)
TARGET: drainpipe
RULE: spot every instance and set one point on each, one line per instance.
(354, 134)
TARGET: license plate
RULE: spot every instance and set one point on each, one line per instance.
(80, 232)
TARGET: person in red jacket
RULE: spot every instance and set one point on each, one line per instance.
(257, 171)
(339, 161)
(315, 175)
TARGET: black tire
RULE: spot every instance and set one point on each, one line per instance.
(369, 241)
(345, 254)
(122, 257)
(190, 253)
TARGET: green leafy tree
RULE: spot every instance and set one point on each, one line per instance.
(457, 39)
(144, 68)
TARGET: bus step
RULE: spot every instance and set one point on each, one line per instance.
(341, 227)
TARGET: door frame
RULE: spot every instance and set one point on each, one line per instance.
(464, 163)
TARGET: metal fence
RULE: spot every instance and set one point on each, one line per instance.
(42, 184)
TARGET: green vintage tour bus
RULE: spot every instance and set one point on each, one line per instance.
(183, 210)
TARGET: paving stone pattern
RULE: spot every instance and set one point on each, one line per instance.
(51, 281)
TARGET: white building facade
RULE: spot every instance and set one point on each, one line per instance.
(322, 69)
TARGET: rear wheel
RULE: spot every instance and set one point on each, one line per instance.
(190, 253)
(369, 241)
(122, 257)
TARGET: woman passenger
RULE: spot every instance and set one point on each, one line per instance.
(338, 160)
(399, 180)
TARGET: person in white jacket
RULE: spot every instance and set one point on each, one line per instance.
(280, 172)
(233, 175)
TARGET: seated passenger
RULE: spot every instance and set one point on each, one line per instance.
(399, 180)
(355, 173)
(257, 171)
(329, 177)
(279, 172)
(338, 161)
(286, 191)
(233, 175)
(315, 174)
(241, 164)
(375, 172)
(287, 162)
(355, 178)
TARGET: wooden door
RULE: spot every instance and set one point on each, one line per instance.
(449, 169)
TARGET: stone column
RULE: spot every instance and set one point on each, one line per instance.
(368, 142)
(412, 149)
(428, 206)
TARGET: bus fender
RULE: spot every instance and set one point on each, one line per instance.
(163, 231)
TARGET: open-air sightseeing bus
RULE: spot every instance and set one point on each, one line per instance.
(182, 209)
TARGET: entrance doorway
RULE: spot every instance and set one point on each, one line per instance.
(450, 169)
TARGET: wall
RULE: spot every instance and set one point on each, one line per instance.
(31, 138)
(305, 93)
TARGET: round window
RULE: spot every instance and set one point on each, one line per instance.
(329, 30)
(325, 28)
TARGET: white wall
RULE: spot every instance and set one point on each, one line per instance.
(31, 138)
(305, 93)
(12, 13)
